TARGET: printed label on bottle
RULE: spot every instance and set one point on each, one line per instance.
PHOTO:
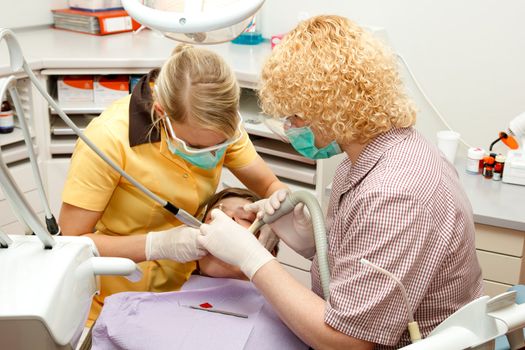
(473, 166)
(6, 121)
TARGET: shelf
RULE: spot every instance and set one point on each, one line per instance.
(17, 153)
(63, 145)
(260, 130)
(13, 137)
(229, 180)
(79, 108)
(60, 128)
(297, 186)
(291, 170)
(95, 71)
(280, 149)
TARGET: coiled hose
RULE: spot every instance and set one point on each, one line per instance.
(321, 243)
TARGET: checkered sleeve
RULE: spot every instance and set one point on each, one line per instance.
(393, 230)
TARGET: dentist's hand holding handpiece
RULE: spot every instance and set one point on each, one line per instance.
(234, 244)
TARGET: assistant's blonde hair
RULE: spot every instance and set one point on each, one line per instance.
(197, 83)
(338, 77)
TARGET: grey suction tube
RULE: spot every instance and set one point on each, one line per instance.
(181, 214)
(52, 226)
(321, 244)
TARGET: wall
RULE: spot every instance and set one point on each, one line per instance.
(468, 55)
(24, 13)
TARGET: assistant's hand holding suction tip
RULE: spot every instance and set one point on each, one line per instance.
(179, 244)
(294, 226)
(234, 244)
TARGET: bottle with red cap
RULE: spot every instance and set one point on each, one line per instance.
(7, 123)
(488, 167)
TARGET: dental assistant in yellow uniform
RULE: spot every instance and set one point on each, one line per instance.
(173, 134)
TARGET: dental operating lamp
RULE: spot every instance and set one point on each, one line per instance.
(514, 172)
(195, 21)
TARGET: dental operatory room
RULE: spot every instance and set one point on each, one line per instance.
(262, 174)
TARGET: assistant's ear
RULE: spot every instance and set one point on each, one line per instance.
(158, 108)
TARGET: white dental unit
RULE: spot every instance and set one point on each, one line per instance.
(47, 281)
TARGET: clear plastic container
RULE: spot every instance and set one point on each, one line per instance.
(251, 35)
(248, 39)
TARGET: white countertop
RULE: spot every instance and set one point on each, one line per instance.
(49, 48)
(494, 202)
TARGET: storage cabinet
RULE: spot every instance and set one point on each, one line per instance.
(500, 254)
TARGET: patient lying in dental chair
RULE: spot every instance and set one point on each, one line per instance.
(145, 320)
(231, 201)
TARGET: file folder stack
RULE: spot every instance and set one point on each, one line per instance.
(98, 23)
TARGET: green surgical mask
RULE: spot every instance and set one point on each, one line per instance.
(303, 140)
(206, 160)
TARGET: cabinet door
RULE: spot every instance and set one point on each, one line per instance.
(501, 268)
(500, 240)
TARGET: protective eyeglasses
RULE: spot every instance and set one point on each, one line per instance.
(183, 146)
(292, 121)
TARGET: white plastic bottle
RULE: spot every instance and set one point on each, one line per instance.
(475, 160)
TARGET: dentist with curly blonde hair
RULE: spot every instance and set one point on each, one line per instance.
(395, 201)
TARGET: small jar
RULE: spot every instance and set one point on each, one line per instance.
(7, 123)
(488, 167)
(498, 167)
(475, 157)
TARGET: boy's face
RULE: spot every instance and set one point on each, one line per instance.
(233, 207)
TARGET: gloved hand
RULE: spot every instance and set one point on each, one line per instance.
(234, 244)
(294, 228)
(268, 238)
(179, 244)
(267, 205)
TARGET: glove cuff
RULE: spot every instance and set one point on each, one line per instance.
(150, 252)
(255, 261)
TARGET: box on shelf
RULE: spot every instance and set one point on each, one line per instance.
(109, 88)
(98, 22)
(95, 5)
(75, 88)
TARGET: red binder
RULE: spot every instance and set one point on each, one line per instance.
(98, 23)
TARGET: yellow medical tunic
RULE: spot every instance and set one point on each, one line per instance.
(123, 133)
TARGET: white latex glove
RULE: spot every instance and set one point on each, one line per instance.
(294, 228)
(268, 238)
(267, 205)
(234, 244)
(179, 244)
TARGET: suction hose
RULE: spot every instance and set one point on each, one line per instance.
(321, 244)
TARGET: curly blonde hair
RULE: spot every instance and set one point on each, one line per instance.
(339, 78)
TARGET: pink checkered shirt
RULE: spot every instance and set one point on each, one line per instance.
(400, 206)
